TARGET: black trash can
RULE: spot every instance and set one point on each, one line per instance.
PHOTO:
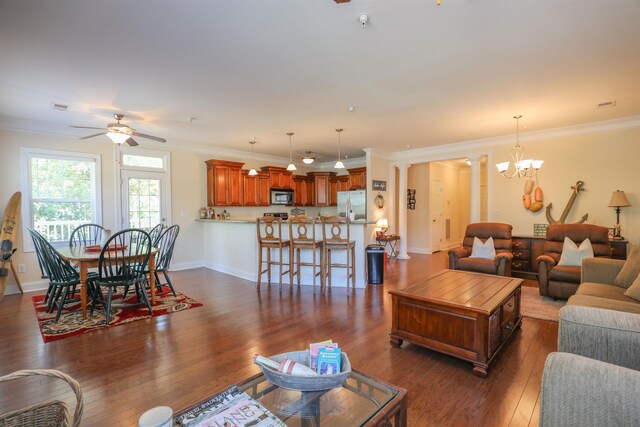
(375, 264)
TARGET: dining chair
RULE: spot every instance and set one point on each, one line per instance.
(87, 235)
(155, 233)
(165, 243)
(123, 263)
(62, 276)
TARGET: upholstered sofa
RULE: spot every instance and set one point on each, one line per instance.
(459, 258)
(561, 281)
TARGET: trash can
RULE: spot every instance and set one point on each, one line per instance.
(375, 264)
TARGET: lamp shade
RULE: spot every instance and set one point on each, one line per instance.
(382, 223)
(618, 200)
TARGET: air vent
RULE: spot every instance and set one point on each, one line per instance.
(60, 107)
(606, 104)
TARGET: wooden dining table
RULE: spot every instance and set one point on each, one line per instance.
(89, 259)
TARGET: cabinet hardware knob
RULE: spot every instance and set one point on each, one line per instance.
(509, 326)
(510, 304)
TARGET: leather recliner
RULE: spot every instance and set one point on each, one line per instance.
(562, 281)
(502, 241)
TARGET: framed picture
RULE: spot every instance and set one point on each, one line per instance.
(411, 198)
(612, 233)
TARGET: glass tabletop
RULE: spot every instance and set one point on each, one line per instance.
(353, 404)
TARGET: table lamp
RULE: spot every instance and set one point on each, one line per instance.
(382, 225)
(618, 201)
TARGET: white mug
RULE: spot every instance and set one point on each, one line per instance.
(160, 416)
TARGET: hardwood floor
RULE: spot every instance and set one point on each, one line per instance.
(181, 358)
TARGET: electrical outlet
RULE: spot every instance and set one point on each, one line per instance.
(22, 268)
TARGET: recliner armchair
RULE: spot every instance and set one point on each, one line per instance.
(562, 281)
(500, 265)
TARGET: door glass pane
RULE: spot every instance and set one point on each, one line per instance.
(144, 161)
(144, 203)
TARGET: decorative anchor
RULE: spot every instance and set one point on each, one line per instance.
(576, 189)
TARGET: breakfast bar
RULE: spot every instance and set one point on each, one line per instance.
(231, 247)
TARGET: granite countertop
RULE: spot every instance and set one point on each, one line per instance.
(253, 221)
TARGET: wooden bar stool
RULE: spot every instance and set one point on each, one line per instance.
(302, 234)
(335, 237)
(270, 237)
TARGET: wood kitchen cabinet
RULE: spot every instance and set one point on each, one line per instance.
(303, 190)
(322, 187)
(224, 183)
(357, 178)
(333, 191)
(279, 178)
(255, 189)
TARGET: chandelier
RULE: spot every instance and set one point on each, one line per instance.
(527, 168)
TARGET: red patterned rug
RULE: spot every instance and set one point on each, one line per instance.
(71, 323)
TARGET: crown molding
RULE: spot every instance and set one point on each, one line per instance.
(479, 146)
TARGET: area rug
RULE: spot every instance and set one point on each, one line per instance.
(71, 323)
(538, 307)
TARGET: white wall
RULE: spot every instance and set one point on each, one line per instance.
(418, 218)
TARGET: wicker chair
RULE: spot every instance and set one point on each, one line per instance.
(51, 413)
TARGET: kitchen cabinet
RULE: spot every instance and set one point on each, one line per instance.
(224, 183)
(357, 178)
(279, 178)
(343, 183)
(333, 191)
(322, 187)
(303, 190)
(255, 189)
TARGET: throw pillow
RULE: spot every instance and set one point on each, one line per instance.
(633, 291)
(630, 269)
(484, 250)
(573, 255)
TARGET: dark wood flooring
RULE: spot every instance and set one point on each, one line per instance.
(181, 358)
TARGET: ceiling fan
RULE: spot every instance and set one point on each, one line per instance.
(119, 132)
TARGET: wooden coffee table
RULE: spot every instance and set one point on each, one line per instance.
(470, 316)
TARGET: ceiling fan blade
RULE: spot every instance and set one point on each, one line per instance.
(155, 138)
(131, 142)
(86, 127)
(95, 134)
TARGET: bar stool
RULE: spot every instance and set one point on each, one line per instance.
(302, 234)
(270, 237)
(334, 227)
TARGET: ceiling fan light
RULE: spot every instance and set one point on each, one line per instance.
(339, 165)
(291, 167)
(307, 160)
(117, 137)
(253, 172)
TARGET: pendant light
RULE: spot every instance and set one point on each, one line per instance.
(291, 166)
(339, 164)
(527, 168)
(252, 172)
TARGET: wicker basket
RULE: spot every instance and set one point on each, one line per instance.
(294, 382)
(52, 413)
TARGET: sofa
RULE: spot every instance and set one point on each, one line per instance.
(459, 258)
(594, 379)
(560, 281)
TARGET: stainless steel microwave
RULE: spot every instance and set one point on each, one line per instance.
(281, 197)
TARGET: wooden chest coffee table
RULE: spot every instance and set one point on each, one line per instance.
(467, 315)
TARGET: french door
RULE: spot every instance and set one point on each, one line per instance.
(144, 203)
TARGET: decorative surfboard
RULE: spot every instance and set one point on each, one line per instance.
(7, 236)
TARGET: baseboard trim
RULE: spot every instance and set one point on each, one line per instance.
(187, 265)
(232, 271)
(419, 250)
(37, 285)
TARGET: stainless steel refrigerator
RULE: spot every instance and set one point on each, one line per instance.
(357, 199)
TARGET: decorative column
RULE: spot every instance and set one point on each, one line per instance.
(402, 209)
(475, 188)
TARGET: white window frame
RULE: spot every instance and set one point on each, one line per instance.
(121, 150)
(26, 154)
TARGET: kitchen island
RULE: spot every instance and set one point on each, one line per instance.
(232, 247)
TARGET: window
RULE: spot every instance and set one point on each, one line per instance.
(62, 192)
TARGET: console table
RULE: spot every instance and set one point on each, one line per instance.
(527, 249)
(390, 240)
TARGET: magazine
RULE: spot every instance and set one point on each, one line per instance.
(313, 352)
(242, 411)
(210, 406)
(329, 360)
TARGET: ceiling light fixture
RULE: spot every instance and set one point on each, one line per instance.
(291, 166)
(526, 168)
(307, 159)
(252, 172)
(339, 164)
(467, 161)
(118, 137)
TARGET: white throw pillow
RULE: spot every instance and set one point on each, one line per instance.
(484, 250)
(573, 255)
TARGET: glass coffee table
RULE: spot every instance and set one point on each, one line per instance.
(362, 401)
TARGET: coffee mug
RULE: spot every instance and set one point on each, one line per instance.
(160, 416)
